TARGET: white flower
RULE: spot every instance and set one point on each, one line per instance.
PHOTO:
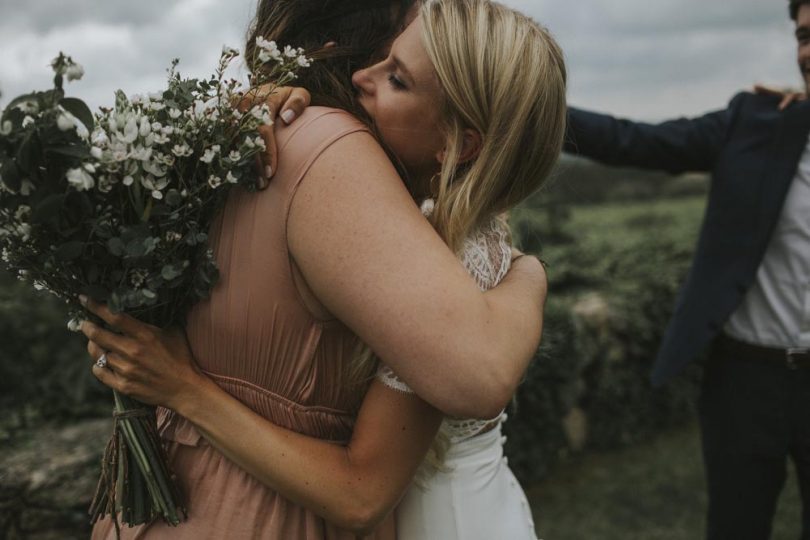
(145, 128)
(290, 52)
(230, 178)
(210, 154)
(265, 44)
(303, 61)
(89, 167)
(229, 51)
(156, 106)
(141, 153)
(27, 187)
(23, 211)
(27, 121)
(258, 141)
(65, 121)
(96, 152)
(262, 114)
(28, 107)
(80, 179)
(174, 114)
(155, 185)
(6, 128)
(234, 156)
(155, 96)
(24, 232)
(214, 181)
(153, 168)
(160, 138)
(130, 130)
(99, 137)
(128, 180)
(182, 150)
(74, 325)
(39, 285)
(74, 72)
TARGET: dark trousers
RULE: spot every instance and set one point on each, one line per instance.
(753, 416)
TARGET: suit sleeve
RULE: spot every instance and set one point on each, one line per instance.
(676, 146)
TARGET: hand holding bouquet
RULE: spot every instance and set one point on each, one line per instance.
(116, 206)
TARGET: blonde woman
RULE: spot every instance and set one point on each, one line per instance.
(444, 102)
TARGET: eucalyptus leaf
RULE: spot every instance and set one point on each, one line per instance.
(48, 208)
(29, 153)
(70, 251)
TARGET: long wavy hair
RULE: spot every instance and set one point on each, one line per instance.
(504, 76)
(359, 29)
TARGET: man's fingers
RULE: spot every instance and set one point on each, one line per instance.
(786, 101)
(767, 90)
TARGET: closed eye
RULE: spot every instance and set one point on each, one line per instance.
(396, 82)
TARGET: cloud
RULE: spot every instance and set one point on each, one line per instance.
(637, 58)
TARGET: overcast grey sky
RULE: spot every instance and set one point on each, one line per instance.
(638, 58)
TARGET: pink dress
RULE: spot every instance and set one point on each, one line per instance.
(260, 342)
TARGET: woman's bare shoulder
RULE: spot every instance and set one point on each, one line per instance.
(317, 124)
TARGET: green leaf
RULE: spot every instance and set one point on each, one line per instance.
(79, 151)
(96, 292)
(80, 110)
(22, 99)
(12, 177)
(48, 208)
(171, 271)
(115, 246)
(70, 251)
(29, 153)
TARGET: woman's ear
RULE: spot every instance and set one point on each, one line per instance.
(471, 146)
(473, 143)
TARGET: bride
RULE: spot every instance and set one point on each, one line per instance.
(240, 432)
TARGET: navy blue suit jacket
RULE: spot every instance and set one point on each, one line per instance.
(752, 151)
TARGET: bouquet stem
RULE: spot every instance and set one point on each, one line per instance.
(135, 479)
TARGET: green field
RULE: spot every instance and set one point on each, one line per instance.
(653, 487)
(651, 491)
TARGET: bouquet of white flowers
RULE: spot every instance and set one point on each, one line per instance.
(117, 206)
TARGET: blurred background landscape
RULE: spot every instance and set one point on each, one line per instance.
(600, 453)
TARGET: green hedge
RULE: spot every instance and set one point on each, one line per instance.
(44, 370)
(614, 272)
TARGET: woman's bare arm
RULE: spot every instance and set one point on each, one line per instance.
(373, 260)
(353, 486)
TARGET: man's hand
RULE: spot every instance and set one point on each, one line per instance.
(788, 95)
(285, 102)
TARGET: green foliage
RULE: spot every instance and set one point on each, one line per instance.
(44, 369)
(612, 288)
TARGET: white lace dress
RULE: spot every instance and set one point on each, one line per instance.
(474, 495)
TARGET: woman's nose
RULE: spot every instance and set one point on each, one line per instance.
(362, 81)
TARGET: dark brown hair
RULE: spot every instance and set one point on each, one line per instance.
(794, 7)
(360, 29)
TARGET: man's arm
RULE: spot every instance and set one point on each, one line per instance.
(676, 146)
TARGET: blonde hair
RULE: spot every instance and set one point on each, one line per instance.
(504, 76)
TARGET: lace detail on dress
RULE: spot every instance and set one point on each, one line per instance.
(487, 255)
(387, 376)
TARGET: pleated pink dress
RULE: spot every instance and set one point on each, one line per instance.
(260, 342)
